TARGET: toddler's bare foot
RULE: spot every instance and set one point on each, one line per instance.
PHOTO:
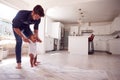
(35, 64)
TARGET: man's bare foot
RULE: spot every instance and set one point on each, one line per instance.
(18, 66)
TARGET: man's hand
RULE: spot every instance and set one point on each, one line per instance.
(26, 40)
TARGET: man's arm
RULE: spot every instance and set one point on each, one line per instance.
(36, 33)
(17, 30)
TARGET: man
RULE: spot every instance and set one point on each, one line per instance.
(91, 44)
(22, 29)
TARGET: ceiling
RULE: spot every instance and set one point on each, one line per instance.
(69, 11)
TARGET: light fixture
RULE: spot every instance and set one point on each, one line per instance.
(80, 19)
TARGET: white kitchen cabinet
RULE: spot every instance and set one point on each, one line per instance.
(101, 30)
(48, 27)
(115, 26)
(56, 30)
(98, 30)
(114, 46)
(53, 31)
(100, 45)
(73, 30)
(49, 44)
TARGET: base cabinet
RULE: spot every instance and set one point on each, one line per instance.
(114, 46)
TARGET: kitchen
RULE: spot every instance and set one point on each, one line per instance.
(56, 31)
(73, 20)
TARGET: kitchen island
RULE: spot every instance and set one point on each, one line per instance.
(78, 45)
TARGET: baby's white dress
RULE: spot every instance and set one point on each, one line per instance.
(32, 48)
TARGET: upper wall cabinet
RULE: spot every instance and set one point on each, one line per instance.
(97, 30)
(115, 26)
(101, 30)
(73, 31)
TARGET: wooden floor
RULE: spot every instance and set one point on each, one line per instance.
(61, 65)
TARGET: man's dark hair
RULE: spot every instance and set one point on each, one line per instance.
(39, 10)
